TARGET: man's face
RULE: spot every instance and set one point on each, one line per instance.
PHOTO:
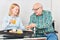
(37, 9)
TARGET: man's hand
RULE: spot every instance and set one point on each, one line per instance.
(31, 26)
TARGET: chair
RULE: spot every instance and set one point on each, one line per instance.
(53, 24)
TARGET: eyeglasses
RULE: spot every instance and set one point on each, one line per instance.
(36, 9)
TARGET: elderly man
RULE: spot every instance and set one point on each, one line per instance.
(41, 20)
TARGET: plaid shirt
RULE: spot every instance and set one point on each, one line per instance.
(43, 22)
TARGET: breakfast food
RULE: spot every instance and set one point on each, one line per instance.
(19, 31)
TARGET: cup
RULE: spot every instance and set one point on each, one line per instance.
(13, 21)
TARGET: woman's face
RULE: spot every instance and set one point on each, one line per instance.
(15, 10)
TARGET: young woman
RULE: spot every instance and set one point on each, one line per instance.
(13, 21)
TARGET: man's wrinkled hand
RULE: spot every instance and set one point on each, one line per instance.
(32, 25)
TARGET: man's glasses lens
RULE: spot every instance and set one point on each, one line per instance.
(36, 9)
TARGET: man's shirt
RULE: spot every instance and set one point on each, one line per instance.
(43, 22)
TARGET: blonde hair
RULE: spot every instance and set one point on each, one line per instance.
(13, 6)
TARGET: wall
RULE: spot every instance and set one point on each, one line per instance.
(56, 13)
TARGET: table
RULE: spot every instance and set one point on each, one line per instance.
(9, 35)
(27, 35)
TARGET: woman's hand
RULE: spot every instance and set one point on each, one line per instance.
(12, 21)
